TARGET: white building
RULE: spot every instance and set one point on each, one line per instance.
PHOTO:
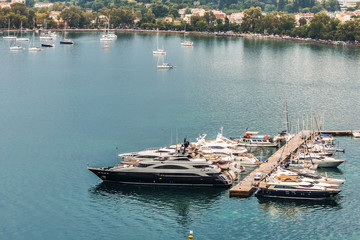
(348, 3)
(40, 5)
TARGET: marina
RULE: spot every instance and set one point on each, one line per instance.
(68, 107)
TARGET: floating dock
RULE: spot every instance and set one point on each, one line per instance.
(339, 133)
(247, 186)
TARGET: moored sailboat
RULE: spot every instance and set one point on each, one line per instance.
(9, 37)
(66, 40)
(32, 47)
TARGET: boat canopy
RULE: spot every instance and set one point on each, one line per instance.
(325, 135)
(250, 132)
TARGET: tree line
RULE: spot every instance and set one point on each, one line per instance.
(254, 21)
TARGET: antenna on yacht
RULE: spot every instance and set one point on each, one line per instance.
(116, 155)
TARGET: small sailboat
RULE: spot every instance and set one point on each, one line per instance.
(8, 37)
(186, 43)
(16, 47)
(21, 38)
(108, 36)
(47, 35)
(163, 65)
(66, 40)
(32, 47)
(48, 44)
(158, 51)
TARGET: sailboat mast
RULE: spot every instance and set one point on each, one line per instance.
(286, 116)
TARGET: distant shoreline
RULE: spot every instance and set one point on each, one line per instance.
(210, 34)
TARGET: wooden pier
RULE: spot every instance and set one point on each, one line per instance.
(247, 186)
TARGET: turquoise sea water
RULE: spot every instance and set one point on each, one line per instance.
(69, 106)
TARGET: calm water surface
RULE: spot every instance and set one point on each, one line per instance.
(69, 106)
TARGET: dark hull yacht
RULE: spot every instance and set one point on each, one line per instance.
(174, 171)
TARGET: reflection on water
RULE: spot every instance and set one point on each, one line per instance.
(291, 208)
(180, 200)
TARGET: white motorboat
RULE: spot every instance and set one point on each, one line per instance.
(187, 43)
(356, 134)
(109, 35)
(221, 146)
(163, 65)
(106, 39)
(34, 49)
(321, 161)
(252, 139)
(282, 175)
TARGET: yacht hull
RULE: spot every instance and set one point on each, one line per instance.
(67, 42)
(297, 194)
(328, 164)
(147, 178)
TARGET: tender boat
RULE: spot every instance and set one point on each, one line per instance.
(171, 171)
(187, 43)
(165, 66)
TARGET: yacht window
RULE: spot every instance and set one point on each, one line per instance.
(144, 165)
(146, 156)
(171, 167)
(181, 159)
(285, 187)
(200, 166)
(216, 147)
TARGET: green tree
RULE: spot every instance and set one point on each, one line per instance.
(160, 10)
(73, 16)
(149, 17)
(318, 25)
(252, 20)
